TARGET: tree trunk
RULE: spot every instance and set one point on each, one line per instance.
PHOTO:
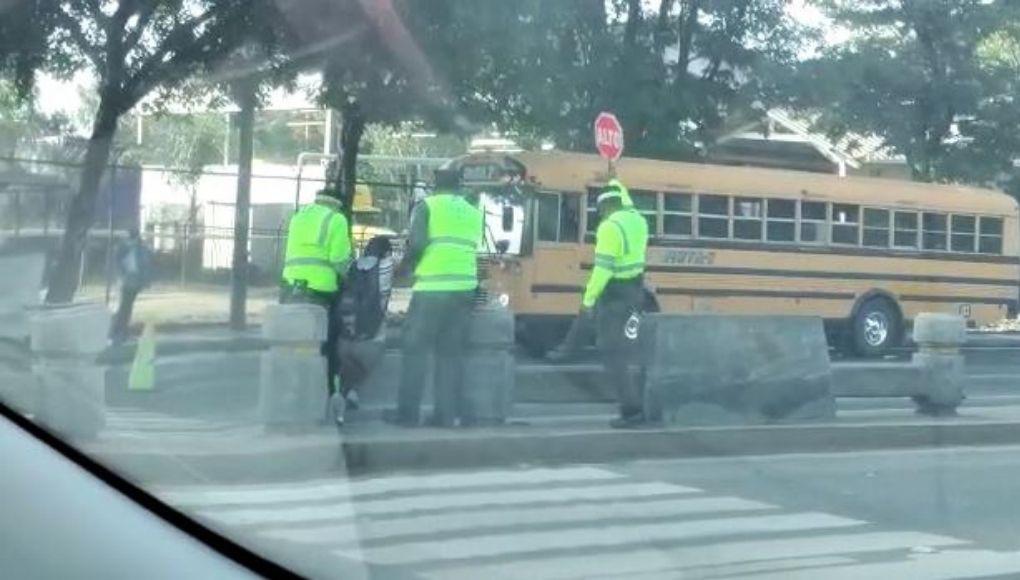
(350, 141)
(245, 95)
(63, 282)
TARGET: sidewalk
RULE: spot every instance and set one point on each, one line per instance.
(184, 307)
(238, 452)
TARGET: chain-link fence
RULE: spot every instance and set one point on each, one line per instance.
(189, 223)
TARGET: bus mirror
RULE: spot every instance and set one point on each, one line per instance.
(508, 218)
(502, 246)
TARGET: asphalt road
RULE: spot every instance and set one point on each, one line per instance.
(948, 513)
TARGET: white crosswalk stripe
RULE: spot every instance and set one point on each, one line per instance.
(127, 423)
(572, 523)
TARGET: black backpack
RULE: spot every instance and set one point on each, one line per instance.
(363, 303)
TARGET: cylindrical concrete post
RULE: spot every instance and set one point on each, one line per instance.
(66, 341)
(939, 338)
(293, 374)
(489, 370)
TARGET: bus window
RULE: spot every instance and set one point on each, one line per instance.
(991, 236)
(676, 215)
(559, 217)
(964, 230)
(570, 217)
(905, 230)
(935, 231)
(713, 216)
(747, 216)
(548, 217)
(647, 204)
(593, 210)
(781, 220)
(845, 222)
(876, 228)
(812, 222)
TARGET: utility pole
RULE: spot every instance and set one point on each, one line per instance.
(245, 94)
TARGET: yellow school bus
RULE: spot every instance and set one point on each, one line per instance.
(865, 254)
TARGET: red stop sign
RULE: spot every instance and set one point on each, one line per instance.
(608, 136)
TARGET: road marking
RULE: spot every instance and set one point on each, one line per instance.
(369, 530)
(607, 536)
(407, 505)
(735, 570)
(942, 566)
(995, 377)
(678, 560)
(338, 488)
(589, 523)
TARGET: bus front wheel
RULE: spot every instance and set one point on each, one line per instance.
(876, 328)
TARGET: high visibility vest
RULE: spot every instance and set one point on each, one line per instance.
(318, 248)
(620, 244)
(448, 263)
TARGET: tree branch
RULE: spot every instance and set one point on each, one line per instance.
(688, 24)
(155, 62)
(74, 29)
(143, 20)
(633, 21)
(662, 26)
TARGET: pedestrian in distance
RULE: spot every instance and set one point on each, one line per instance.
(134, 265)
(446, 229)
(613, 299)
(318, 254)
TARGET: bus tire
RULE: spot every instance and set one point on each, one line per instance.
(876, 327)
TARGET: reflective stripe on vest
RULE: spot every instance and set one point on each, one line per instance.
(308, 249)
(631, 262)
(448, 262)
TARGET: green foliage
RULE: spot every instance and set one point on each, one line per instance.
(186, 142)
(935, 78)
(676, 75)
(409, 139)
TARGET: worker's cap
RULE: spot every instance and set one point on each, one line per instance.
(328, 197)
(612, 190)
(448, 178)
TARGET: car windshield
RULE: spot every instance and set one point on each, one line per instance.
(522, 289)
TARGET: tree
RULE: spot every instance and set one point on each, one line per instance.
(543, 70)
(913, 72)
(135, 48)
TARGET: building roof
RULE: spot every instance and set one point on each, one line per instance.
(782, 126)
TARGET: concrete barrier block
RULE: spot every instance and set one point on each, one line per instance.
(72, 397)
(489, 381)
(17, 384)
(938, 329)
(292, 388)
(491, 327)
(19, 292)
(77, 329)
(760, 368)
(18, 389)
(294, 323)
(940, 382)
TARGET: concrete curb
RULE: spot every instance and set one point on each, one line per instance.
(322, 455)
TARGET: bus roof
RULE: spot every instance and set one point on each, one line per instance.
(569, 171)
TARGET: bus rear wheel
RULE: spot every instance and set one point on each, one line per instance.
(876, 328)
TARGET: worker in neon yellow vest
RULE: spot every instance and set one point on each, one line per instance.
(614, 295)
(446, 229)
(317, 257)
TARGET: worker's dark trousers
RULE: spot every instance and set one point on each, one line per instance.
(437, 323)
(616, 305)
(121, 320)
